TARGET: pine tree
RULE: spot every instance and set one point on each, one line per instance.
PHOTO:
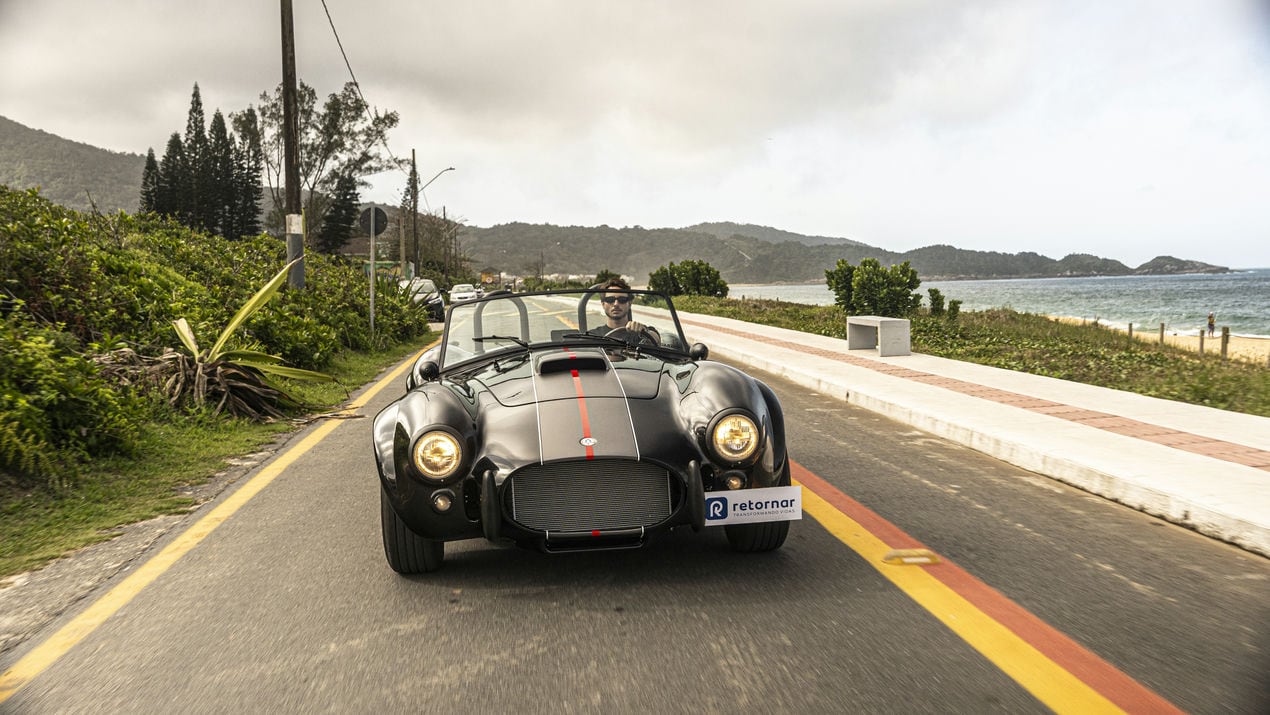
(173, 188)
(248, 167)
(150, 184)
(218, 189)
(196, 157)
(338, 222)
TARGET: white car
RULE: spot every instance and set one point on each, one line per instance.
(464, 291)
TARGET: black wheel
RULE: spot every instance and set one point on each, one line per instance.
(407, 552)
(752, 538)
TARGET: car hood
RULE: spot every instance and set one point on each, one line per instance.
(567, 373)
(576, 403)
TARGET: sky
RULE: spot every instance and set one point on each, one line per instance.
(1126, 129)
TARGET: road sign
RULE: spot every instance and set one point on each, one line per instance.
(381, 221)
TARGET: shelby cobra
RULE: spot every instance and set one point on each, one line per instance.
(539, 423)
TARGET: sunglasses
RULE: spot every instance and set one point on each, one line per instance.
(616, 299)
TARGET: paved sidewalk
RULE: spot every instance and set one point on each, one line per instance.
(1200, 467)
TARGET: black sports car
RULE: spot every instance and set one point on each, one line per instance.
(549, 421)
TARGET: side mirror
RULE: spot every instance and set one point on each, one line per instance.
(425, 370)
(429, 371)
(698, 351)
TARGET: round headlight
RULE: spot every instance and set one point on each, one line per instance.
(437, 455)
(735, 437)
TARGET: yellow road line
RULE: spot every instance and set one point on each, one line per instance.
(1040, 676)
(46, 653)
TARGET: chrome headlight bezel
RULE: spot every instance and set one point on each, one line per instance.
(437, 455)
(735, 437)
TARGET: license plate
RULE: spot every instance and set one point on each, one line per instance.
(753, 505)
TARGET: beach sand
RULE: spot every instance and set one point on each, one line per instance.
(1255, 350)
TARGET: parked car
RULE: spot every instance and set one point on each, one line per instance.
(463, 291)
(424, 290)
(536, 423)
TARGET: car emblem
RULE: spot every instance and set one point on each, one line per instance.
(588, 441)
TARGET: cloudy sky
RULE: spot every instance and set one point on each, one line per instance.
(1126, 128)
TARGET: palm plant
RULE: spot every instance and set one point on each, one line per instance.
(235, 381)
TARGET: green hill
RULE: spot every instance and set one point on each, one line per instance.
(69, 173)
(745, 258)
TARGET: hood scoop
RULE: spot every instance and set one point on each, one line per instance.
(569, 362)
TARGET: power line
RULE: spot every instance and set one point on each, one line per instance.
(357, 86)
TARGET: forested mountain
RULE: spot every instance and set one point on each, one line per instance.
(68, 172)
(724, 229)
(742, 257)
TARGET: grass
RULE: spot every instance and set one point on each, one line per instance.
(1036, 344)
(39, 525)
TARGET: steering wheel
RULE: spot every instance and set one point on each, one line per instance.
(633, 337)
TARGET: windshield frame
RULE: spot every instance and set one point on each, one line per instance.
(470, 317)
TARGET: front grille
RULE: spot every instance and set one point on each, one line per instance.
(585, 496)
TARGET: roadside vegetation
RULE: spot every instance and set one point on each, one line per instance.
(136, 355)
(1036, 344)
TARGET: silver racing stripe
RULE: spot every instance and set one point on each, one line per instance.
(626, 402)
(571, 409)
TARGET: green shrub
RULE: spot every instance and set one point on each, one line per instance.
(55, 408)
(690, 277)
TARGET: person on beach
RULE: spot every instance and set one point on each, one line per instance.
(1212, 324)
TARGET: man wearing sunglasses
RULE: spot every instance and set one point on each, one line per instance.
(617, 309)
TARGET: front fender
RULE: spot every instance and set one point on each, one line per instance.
(397, 425)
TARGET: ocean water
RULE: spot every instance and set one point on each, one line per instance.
(1241, 300)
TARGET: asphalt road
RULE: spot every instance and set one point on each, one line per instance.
(289, 606)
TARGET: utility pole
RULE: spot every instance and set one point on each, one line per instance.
(291, 150)
(414, 211)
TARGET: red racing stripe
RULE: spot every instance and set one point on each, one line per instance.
(586, 421)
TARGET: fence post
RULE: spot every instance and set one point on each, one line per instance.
(1201, 341)
(1131, 331)
(1161, 333)
(1225, 340)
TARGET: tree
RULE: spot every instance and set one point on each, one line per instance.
(888, 292)
(210, 180)
(150, 184)
(663, 280)
(218, 179)
(691, 277)
(839, 280)
(247, 173)
(604, 276)
(340, 218)
(199, 210)
(173, 189)
(870, 289)
(936, 301)
(342, 138)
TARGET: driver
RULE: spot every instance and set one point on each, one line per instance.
(617, 309)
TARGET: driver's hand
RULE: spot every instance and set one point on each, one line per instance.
(642, 333)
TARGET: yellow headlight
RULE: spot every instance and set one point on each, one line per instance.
(437, 454)
(735, 437)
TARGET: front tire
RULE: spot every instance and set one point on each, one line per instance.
(407, 552)
(762, 536)
(753, 538)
